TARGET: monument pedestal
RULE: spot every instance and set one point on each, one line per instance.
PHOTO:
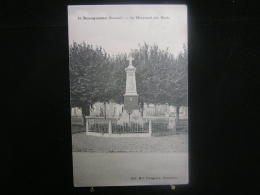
(135, 117)
(131, 102)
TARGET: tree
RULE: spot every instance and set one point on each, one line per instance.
(180, 90)
(88, 72)
(95, 76)
(152, 66)
(161, 77)
(117, 79)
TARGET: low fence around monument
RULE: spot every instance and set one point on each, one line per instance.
(151, 126)
(130, 128)
(162, 126)
(77, 120)
(99, 126)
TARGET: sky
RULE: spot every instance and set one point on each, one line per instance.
(120, 28)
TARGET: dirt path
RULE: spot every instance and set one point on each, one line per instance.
(173, 143)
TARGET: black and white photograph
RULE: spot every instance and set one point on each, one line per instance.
(128, 71)
(130, 97)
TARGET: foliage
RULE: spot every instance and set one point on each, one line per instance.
(117, 80)
(95, 76)
(88, 75)
(161, 77)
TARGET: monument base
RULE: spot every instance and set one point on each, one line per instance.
(135, 117)
(131, 102)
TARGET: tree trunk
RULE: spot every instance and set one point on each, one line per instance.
(105, 109)
(177, 113)
(85, 112)
(142, 109)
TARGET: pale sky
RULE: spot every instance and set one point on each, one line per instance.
(124, 34)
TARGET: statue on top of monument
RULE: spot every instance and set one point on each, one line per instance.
(130, 59)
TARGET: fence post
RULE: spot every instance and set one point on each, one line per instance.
(172, 124)
(109, 127)
(86, 126)
(82, 121)
(175, 125)
(150, 127)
